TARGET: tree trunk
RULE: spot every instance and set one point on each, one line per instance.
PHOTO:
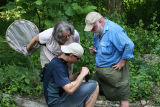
(113, 4)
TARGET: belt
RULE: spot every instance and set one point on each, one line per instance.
(103, 68)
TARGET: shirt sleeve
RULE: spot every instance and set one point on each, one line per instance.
(123, 43)
(45, 36)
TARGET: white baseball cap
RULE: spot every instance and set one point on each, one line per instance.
(91, 18)
(74, 48)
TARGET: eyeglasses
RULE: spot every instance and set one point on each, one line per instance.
(66, 36)
(78, 58)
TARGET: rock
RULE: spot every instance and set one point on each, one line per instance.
(144, 102)
(22, 102)
(101, 102)
(151, 58)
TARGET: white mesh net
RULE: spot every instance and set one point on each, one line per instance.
(19, 34)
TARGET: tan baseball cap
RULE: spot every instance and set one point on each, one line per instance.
(91, 18)
(74, 48)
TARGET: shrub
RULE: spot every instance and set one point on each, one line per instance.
(17, 80)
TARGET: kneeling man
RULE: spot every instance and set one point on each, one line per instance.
(64, 90)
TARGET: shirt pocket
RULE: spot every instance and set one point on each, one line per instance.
(106, 48)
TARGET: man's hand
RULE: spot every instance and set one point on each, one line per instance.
(84, 71)
(119, 65)
(92, 50)
(32, 42)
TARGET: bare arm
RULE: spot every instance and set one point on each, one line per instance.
(32, 42)
(72, 87)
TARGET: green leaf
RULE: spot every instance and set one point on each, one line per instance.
(14, 89)
(69, 12)
(75, 6)
(52, 13)
(48, 23)
(9, 6)
(89, 8)
(38, 2)
(27, 81)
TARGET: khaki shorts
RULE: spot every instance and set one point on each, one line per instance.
(113, 83)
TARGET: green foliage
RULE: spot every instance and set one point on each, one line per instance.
(4, 24)
(156, 99)
(87, 59)
(100, 4)
(144, 75)
(47, 12)
(153, 69)
(13, 56)
(141, 9)
(17, 80)
(7, 102)
(141, 85)
(140, 21)
(146, 41)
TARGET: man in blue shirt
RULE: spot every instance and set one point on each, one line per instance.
(64, 90)
(112, 49)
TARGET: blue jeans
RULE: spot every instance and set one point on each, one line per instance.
(79, 97)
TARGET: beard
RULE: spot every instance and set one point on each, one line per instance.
(99, 30)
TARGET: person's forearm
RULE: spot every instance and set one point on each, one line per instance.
(33, 41)
(72, 87)
(123, 61)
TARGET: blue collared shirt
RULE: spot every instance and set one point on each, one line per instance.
(113, 45)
